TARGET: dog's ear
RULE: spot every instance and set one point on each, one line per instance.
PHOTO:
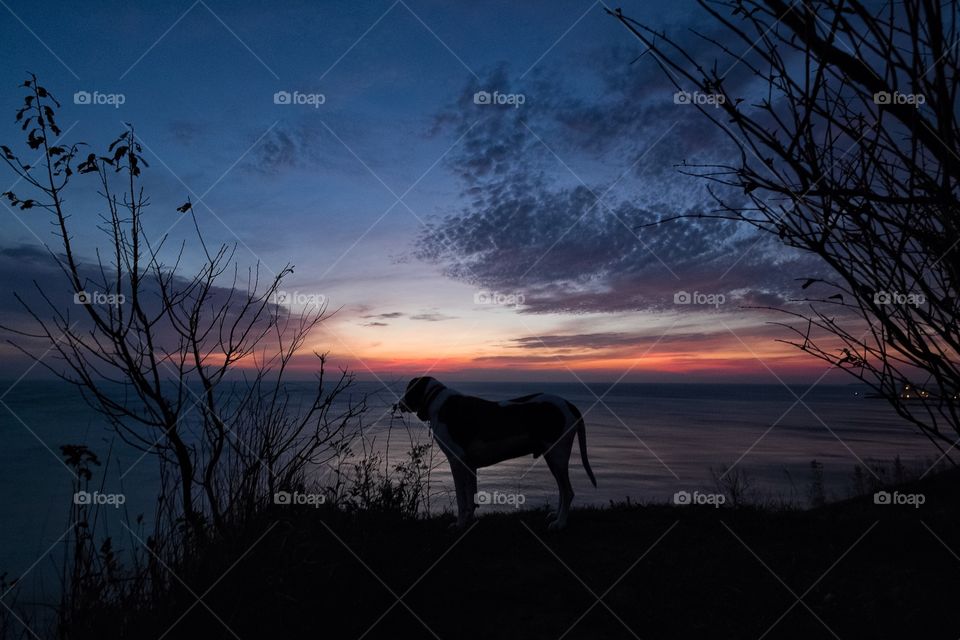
(412, 382)
(418, 387)
(413, 395)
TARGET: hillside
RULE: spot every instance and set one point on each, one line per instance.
(861, 569)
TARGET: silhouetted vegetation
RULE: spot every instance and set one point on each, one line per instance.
(847, 149)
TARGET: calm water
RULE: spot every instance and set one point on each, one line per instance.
(645, 441)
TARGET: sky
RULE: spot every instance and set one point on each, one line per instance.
(463, 184)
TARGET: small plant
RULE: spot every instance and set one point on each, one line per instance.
(878, 474)
(189, 367)
(403, 489)
(735, 484)
(816, 493)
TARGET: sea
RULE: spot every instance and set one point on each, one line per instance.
(647, 443)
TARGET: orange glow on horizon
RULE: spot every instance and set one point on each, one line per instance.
(722, 362)
(527, 346)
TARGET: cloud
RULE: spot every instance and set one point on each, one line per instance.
(376, 324)
(566, 254)
(676, 347)
(302, 143)
(580, 341)
(557, 193)
(432, 317)
(187, 132)
(30, 277)
(286, 146)
(386, 316)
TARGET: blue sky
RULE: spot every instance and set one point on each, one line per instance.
(513, 245)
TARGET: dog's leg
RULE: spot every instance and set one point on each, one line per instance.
(552, 513)
(558, 460)
(465, 481)
(446, 442)
(459, 484)
(471, 493)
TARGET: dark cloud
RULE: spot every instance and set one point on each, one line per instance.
(286, 146)
(302, 143)
(684, 346)
(376, 324)
(31, 281)
(187, 132)
(387, 316)
(564, 253)
(580, 341)
(35, 256)
(432, 317)
(557, 193)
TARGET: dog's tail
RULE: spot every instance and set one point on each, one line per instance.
(582, 439)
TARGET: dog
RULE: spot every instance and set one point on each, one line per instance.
(474, 433)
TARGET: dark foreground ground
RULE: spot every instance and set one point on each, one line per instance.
(848, 570)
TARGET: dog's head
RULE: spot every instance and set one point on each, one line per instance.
(420, 392)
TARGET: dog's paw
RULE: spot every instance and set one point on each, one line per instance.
(551, 516)
(556, 525)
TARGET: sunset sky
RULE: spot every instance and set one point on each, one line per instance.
(477, 241)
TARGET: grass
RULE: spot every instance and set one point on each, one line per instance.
(852, 568)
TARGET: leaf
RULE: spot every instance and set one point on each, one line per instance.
(7, 153)
(809, 282)
(186, 206)
(119, 153)
(89, 165)
(50, 120)
(33, 140)
(750, 187)
(836, 296)
(122, 137)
